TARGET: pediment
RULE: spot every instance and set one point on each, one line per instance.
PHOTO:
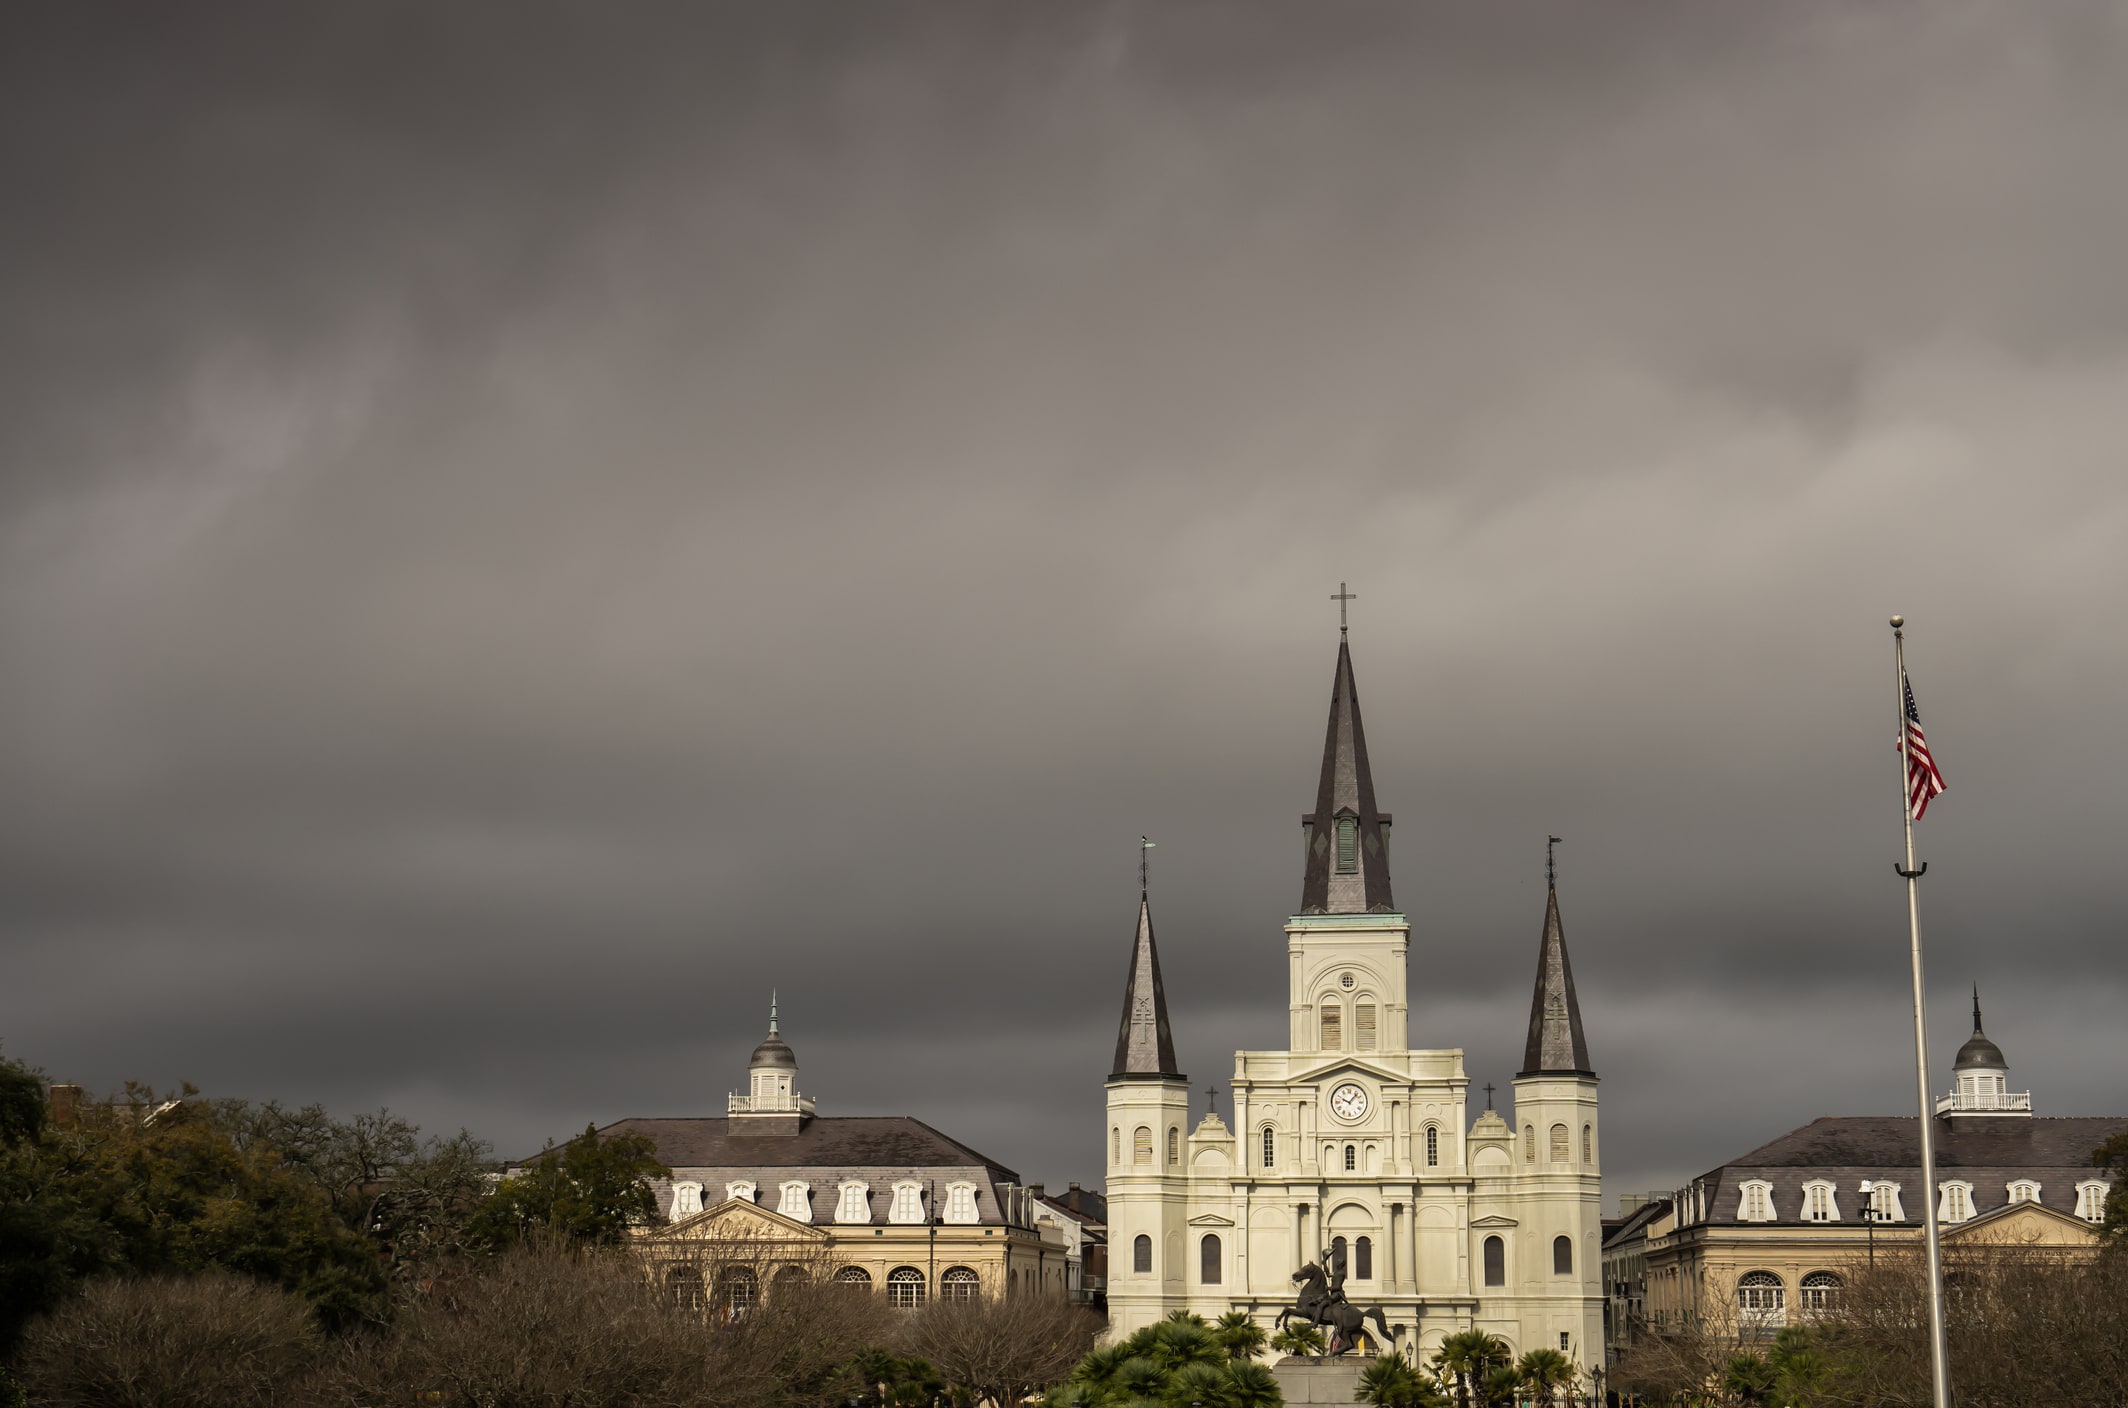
(1211, 1219)
(1494, 1220)
(735, 1218)
(1328, 1068)
(2029, 1224)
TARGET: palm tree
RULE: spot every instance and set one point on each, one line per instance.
(1502, 1383)
(1298, 1339)
(1243, 1337)
(1544, 1372)
(1250, 1385)
(1465, 1358)
(1749, 1379)
(1392, 1381)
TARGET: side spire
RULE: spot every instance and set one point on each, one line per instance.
(1144, 1045)
(1347, 837)
(1556, 1044)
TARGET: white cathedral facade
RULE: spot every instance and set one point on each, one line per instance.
(1353, 1134)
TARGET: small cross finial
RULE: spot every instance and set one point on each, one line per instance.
(1551, 873)
(1211, 1095)
(1344, 594)
(1488, 1095)
(1145, 868)
(771, 1011)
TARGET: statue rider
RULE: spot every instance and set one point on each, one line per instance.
(1334, 1267)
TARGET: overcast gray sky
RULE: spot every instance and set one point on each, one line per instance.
(523, 528)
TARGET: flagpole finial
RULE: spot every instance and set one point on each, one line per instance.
(1897, 622)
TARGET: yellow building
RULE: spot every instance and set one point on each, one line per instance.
(1771, 1236)
(883, 1202)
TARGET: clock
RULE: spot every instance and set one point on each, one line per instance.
(1349, 1102)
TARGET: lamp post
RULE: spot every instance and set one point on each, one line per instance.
(1869, 1216)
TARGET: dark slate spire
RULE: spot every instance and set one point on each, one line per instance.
(1556, 1045)
(1979, 1053)
(1348, 840)
(1144, 1046)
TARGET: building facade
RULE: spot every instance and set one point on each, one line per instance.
(1772, 1236)
(888, 1203)
(1352, 1134)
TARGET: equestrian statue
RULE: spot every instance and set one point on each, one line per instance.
(1322, 1302)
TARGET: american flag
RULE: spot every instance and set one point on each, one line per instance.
(1923, 781)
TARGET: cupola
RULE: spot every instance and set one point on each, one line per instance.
(1980, 1078)
(772, 1097)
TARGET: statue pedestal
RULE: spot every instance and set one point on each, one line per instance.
(1320, 1381)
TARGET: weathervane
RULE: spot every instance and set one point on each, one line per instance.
(1144, 867)
(1344, 594)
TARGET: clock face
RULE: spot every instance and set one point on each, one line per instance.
(1348, 1101)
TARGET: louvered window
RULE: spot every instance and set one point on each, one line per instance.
(1174, 1147)
(1333, 1027)
(1588, 1144)
(1363, 1027)
(1348, 845)
(1142, 1145)
(1559, 1149)
(1529, 1143)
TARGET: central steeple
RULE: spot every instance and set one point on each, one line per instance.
(1347, 838)
(1556, 1045)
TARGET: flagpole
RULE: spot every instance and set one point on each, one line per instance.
(1939, 1358)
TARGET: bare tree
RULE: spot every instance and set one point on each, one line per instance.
(212, 1340)
(1002, 1349)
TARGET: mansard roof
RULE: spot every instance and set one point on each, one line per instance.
(1556, 1045)
(1346, 790)
(2055, 1152)
(894, 1142)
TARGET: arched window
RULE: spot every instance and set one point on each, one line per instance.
(1363, 1026)
(1174, 1146)
(686, 1200)
(1754, 1201)
(795, 1201)
(1495, 1262)
(853, 1203)
(1562, 1256)
(736, 1288)
(1142, 1255)
(1821, 1201)
(1529, 1143)
(1363, 1258)
(792, 1276)
(905, 1288)
(908, 1205)
(958, 1283)
(1820, 1290)
(741, 1191)
(1348, 845)
(960, 1204)
(1208, 1261)
(684, 1285)
(1142, 1144)
(1270, 1149)
(1761, 1297)
(1333, 1027)
(2024, 1190)
(1352, 1157)
(1588, 1145)
(1337, 1249)
(1433, 1146)
(855, 1278)
(1957, 1203)
(2091, 1200)
(1559, 1147)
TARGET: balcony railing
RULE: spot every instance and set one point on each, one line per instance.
(768, 1105)
(2011, 1103)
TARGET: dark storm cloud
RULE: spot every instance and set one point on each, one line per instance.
(525, 528)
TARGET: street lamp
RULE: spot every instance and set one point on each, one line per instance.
(1869, 1215)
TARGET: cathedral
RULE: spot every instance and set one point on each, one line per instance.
(1353, 1138)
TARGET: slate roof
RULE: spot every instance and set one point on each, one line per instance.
(825, 1152)
(1347, 785)
(2056, 1152)
(1144, 1044)
(1082, 1203)
(1633, 1224)
(1556, 1045)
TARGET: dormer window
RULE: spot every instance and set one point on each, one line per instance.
(960, 1204)
(686, 1200)
(2091, 1201)
(1886, 1207)
(1348, 845)
(853, 1202)
(1754, 1201)
(1956, 1204)
(1821, 1201)
(2024, 1190)
(908, 1205)
(742, 1190)
(796, 1201)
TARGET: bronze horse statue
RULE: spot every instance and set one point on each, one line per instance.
(1318, 1306)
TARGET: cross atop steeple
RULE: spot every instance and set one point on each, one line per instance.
(1551, 874)
(1344, 594)
(1488, 1095)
